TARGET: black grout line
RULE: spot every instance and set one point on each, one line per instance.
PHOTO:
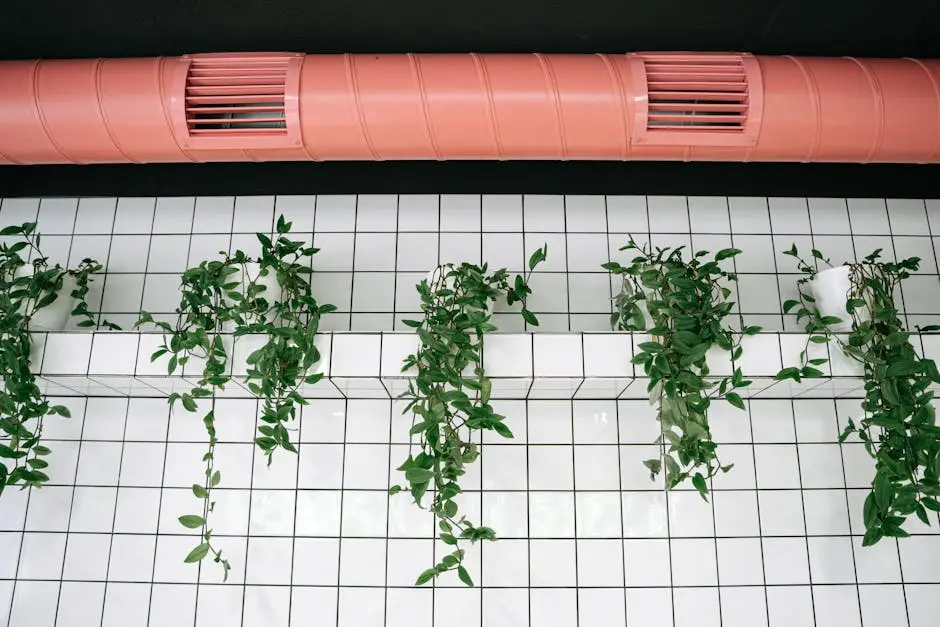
(53, 532)
(117, 495)
(352, 276)
(339, 559)
(68, 525)
(809, 561)
(574, 500)
(711, 501)
(248, 534)
(406, 587)
(652, 490)
(388, 509)
(760, 525)
(669, 537)
(489, 232)
(528, 520)
(848, 509)
(293, 542)
(106, 263)
(623, 548)
(162, 488)
(78, 460)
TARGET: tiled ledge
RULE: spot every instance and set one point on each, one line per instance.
(368, 365)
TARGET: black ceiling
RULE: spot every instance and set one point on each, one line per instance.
(113, 28)
(63, 28)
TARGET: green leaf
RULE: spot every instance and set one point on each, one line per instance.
(727, 253)
(655, 466)
(897, 338)
(529, 317)
(735, 399)
(789, 304)
(418, 475)
(447, 538)
(425, 577)
(216, 478)
(188, 403)
(538, 257)
(197, 554)
(450, 509)
(884, 491)
(464, 576)
(931, 503)
(501, 428)
(395, 489)
(698, 481)
(809, 372)
(486, 389)
(192, 522)
(199, 491)
(788, 373)
(872, 536)
(61, 410)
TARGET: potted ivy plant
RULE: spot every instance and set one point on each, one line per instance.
(682, 303)
(268, 303)
(898, 427)
(449, 396)
(34, 296)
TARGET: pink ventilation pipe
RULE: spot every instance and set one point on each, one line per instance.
(645, 106)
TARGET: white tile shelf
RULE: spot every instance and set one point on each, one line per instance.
(368, 365)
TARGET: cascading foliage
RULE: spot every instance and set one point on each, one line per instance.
(687, 301)
(29, 284)
(222, 299)
(450, 395)
(899, 427)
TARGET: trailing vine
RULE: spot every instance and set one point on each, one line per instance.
(449, 396)
(687, 301)
(230, 298)
(899, 429)
(29, 284)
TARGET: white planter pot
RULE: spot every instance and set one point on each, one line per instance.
(55, 316)
(435, 274)
(238, 349)
(252, 272)
(831, 289)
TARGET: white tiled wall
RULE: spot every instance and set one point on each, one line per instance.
(586, 539)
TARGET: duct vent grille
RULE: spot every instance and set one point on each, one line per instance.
(237, 96)
(699, 99)
(697, 95)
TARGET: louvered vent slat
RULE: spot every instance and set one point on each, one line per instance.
(701, 94)
(236, 96)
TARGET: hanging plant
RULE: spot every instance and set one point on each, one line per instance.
(682, 303)
(449, 396)
(899, 429)
(31, 298)
(268, 298)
